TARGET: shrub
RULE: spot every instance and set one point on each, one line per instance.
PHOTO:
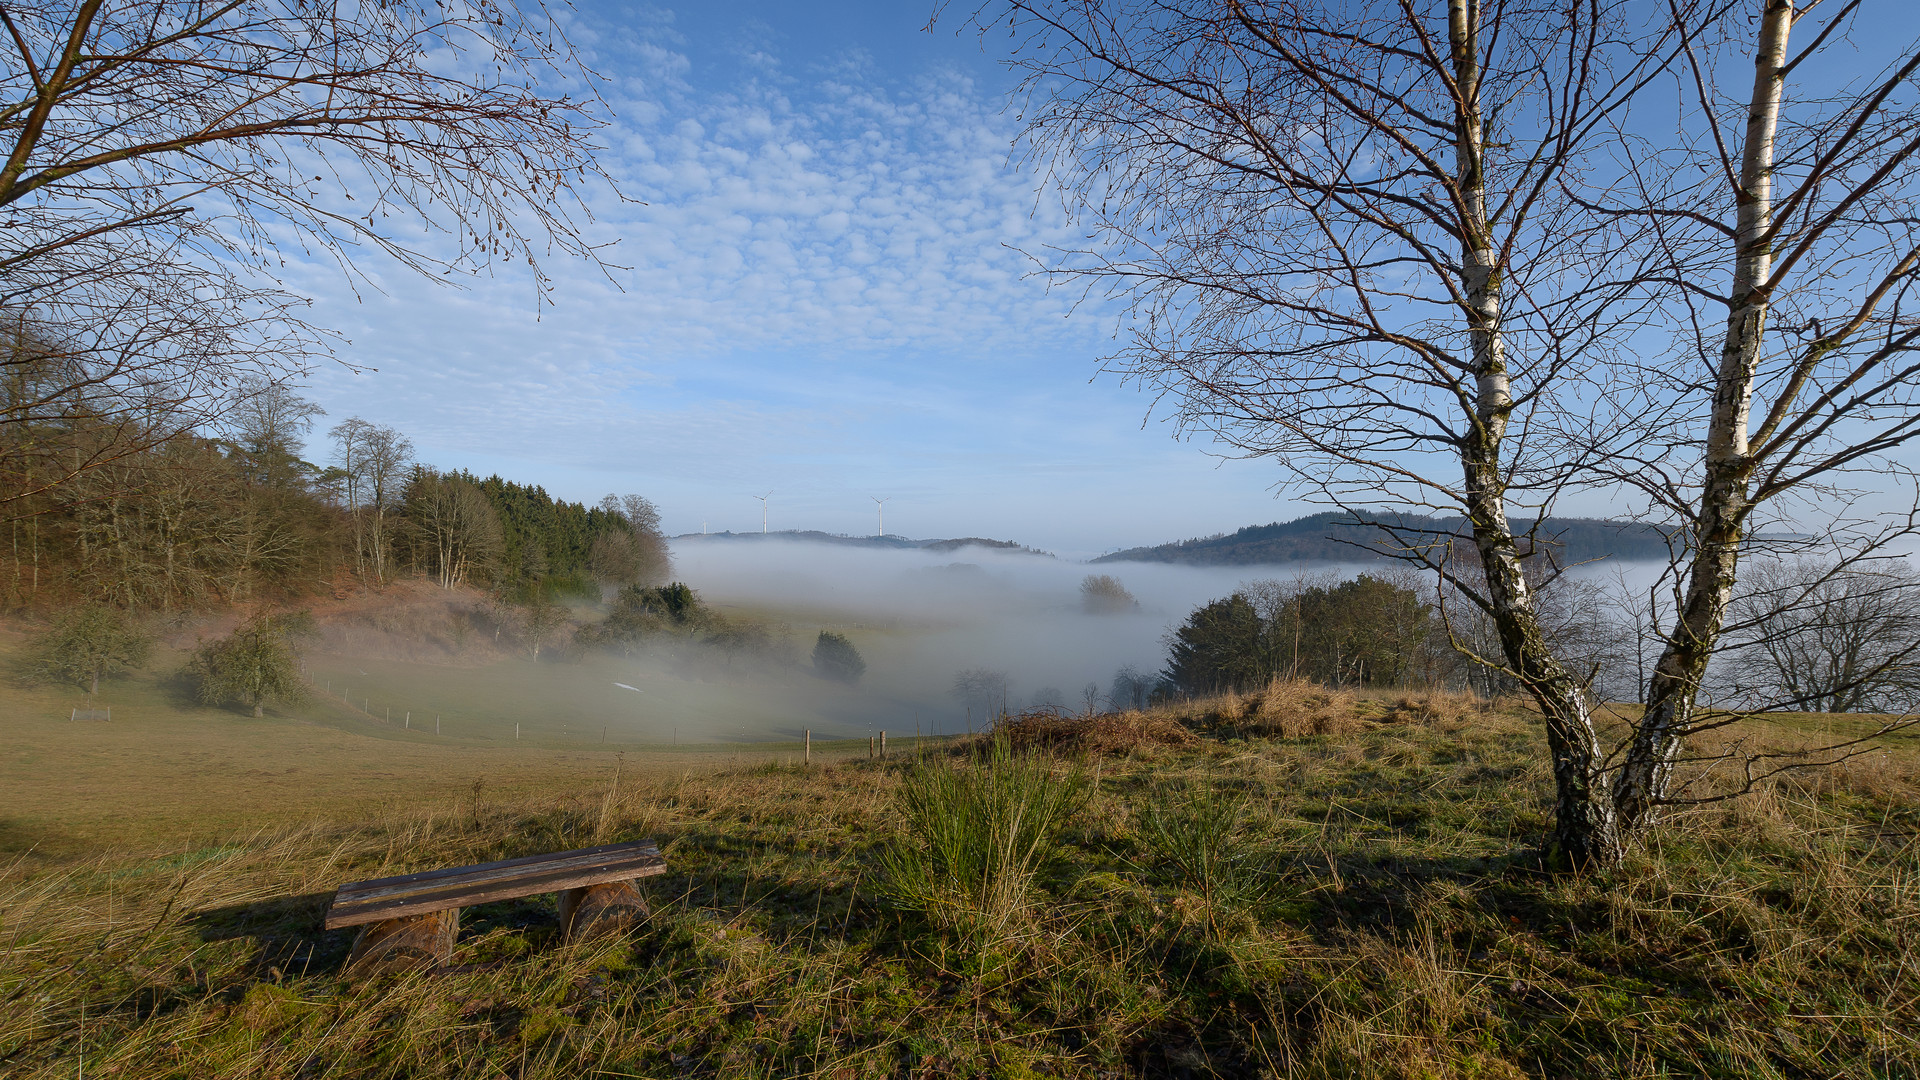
(88, 642)
(255, 664)
(1096, 733)
(1291, 708)
(975, 837)
(834, 657)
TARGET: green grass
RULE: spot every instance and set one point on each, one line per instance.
(974, 836)
(1401, 927)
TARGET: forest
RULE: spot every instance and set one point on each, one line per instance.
(148, 515)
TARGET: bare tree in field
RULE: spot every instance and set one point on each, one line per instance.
(1823, 637)
(1796, 363)
(637, 555)
(1422, 254)
(160, 159)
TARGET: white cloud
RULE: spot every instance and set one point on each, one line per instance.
(826, 295)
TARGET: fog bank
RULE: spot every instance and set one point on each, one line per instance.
(920, 618)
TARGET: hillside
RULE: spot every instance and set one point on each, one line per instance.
(1323, 887)
(1335, 536)
(888, 542)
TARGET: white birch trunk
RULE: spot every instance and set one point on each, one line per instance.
(1584, 831)
(1721, 524)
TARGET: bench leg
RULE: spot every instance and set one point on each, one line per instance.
(597, 909)
(415, 943)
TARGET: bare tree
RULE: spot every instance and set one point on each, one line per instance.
(982, 692)
(1796, 252)
(1104, 594)
(374, 460)
(639, 555)
(1825, 637)
(1132, 689)
(452, 519)
(162, 157)
(1422, 255)
(269, 424)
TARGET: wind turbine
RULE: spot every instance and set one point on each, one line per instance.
(763, 511)
(880, 513)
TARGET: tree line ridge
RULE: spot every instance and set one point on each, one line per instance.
(1340, 536)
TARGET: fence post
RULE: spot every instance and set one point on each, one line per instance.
(808, 759)
(883, 746)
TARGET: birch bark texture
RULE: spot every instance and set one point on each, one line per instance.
(1435, 257)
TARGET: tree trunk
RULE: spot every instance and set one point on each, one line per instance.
(259, 707)
(1724, 504)
(1584, 829)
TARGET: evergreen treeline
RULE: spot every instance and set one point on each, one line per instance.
(132, 515)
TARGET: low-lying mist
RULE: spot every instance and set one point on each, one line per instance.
(921, 618)
(918, 619)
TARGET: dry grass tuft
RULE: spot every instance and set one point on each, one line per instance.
(1100, 733)
(1292, 708)
(1445, 711)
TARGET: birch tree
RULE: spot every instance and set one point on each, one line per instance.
(1795, 251)
(1425, 254)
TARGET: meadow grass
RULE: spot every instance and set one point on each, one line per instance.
(1377, 909)
(168, 771)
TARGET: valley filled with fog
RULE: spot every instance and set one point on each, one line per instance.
(921, 617)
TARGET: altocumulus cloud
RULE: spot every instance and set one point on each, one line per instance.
(802, 252)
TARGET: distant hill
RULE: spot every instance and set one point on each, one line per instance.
(885, 543)
(1336, 536)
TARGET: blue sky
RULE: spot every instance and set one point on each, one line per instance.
(827, 300)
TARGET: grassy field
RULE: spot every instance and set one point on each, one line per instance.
(167, 773)
(1309, 886)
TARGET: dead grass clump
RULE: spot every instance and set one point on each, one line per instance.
(1446, 711)
(1292, 708)
(1100, 733)
(1230, 707)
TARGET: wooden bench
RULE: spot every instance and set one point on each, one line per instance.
(410, 921)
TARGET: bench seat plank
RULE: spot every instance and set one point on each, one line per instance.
(362, 889)
(434, 890)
